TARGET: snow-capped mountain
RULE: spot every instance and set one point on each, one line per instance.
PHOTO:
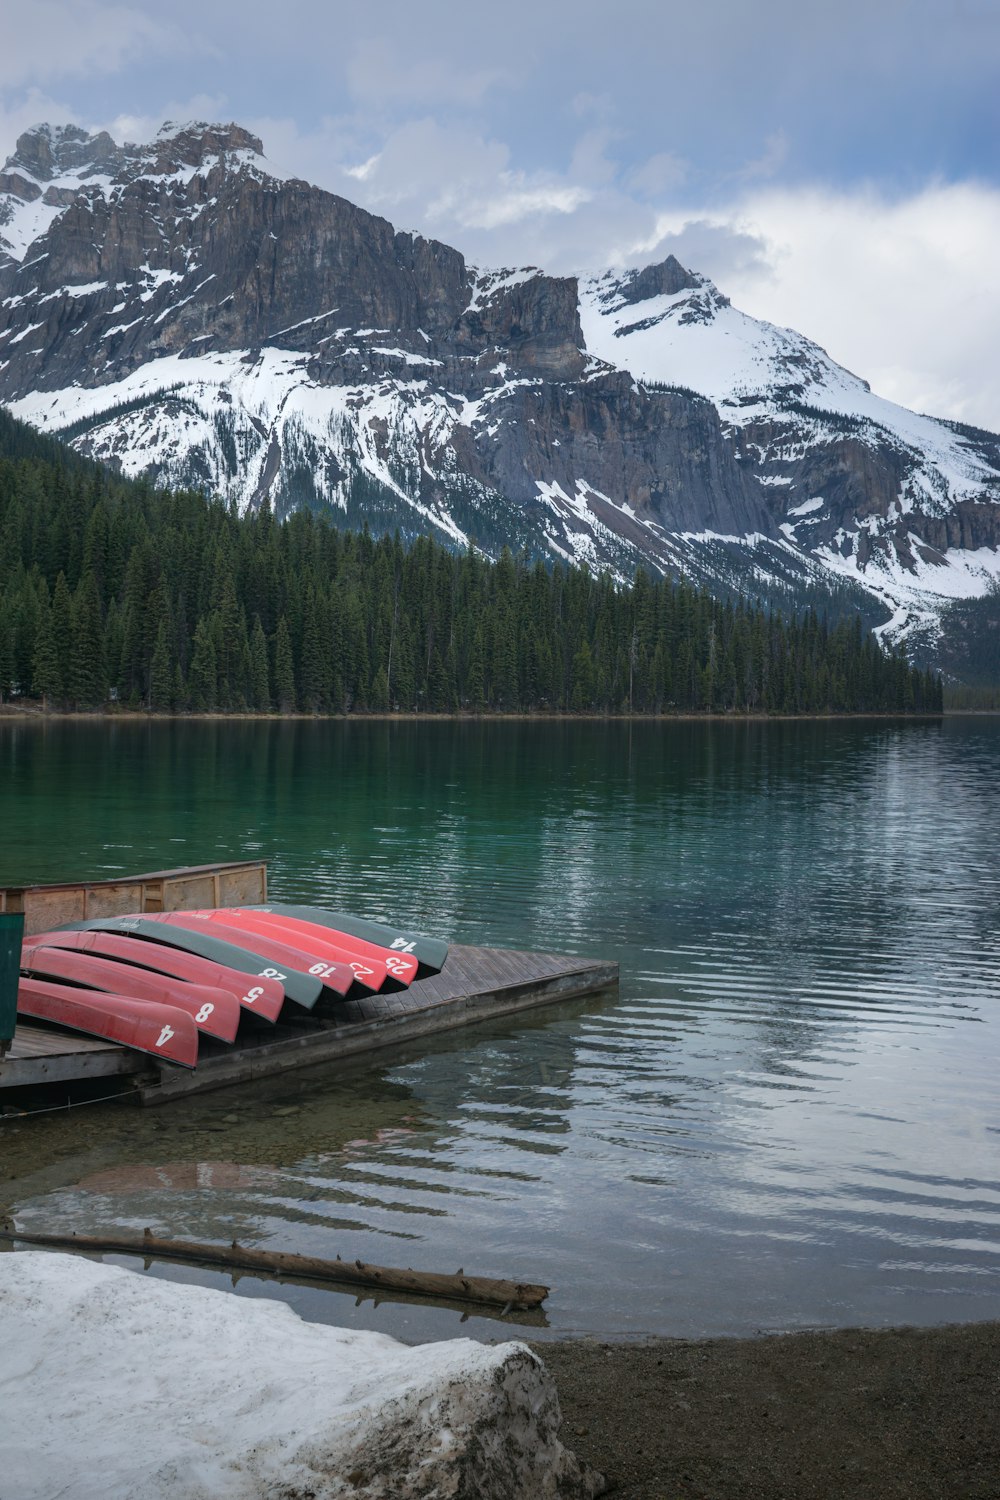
(907, 505)
(184, 309)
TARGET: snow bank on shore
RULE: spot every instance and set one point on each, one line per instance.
(114, 1386)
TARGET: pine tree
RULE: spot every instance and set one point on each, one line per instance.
(583, 689)
(378, 697)
(259, 676)
(6, 655)
(46, 678)
(284, 669)
(315, 665)
(161, 676)
(62, 627)
(88, 673)
(203, 676)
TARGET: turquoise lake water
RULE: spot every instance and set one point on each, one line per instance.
(786, 1116)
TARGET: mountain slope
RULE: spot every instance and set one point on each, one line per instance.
(189, 313)
(183, 309)
(905, 504)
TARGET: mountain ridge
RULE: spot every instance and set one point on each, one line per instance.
(182, 308)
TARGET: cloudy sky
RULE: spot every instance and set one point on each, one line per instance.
(835, 167)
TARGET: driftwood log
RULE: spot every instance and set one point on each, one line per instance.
(517, 1296)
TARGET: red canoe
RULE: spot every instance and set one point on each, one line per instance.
(334, 975)
(256, 993)
(371, 973)
(161, 1030)
(401, 966)
(214, 1011)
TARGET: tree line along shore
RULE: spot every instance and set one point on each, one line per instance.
(170, 601)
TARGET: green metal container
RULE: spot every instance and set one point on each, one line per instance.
(11, 935)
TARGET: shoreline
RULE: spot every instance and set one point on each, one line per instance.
(34, 713)
(871, 1414)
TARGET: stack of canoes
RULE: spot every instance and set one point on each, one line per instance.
(161, 981)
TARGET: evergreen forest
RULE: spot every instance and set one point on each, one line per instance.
(112, 591)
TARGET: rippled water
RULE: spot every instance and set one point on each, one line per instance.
(786, 1116)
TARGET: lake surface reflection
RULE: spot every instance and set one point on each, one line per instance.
(786, 1116)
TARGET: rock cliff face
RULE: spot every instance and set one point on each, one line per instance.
(182, 308)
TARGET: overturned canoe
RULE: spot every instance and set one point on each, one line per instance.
(266, 1000)
(214, 1011)
(161, 1030)
(305, 989)
(358, 952)
(371, 973)
(430, 952)
(331, 973)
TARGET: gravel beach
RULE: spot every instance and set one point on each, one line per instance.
(887, 1414)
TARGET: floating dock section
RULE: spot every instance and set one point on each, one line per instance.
(475, 984)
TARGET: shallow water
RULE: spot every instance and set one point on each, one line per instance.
(786, 1116)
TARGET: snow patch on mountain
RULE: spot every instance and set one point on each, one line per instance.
(934, 578)
(752, 370)
(214, 420)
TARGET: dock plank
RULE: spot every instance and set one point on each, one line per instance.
(39, 1055)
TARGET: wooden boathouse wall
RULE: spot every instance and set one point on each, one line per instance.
(48, 906)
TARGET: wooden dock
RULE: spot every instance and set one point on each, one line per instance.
(476, 984)
(40, 1055)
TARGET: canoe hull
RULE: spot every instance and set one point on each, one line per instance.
(331, 973)
(371, 974)
(213, 1011)
(400, 967)
(162, 1031)
(139, 953)
(429, 952)
(304, 989)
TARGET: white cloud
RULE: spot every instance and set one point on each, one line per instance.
(59, 38)
(660, 173)
(770, 160)
(515, 202)
(34, 108)
(383, 68)
(903, 292)
(443, 180)
(590, 162)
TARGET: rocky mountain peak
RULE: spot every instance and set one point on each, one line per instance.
(50, 152)
(57, 159)
(629, 288)
(46, 151)
(178, 146)
(55, 166)
(663, 280)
